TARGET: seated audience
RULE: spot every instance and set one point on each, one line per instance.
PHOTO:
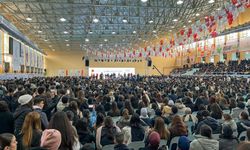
(227, 140)
(105, 134)
(243, 123)
(204, 140)
(211, 122)
(135, 131)
(120, 143)
(229, 121)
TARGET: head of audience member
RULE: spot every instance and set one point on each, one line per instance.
(26, 100)
(154, 140)
(65, 100)
(174, 110)
(206, 131)
(8, 141)
(244, 115)
(39, 101)
(183, 143)
(41, 90)
(60, 122)
(241, 105)
(119, 138)
(51, 139)
(135, 120)
(99, 120)
(159, 126)
(144, 113)
(227, 132)
(227, 117)
(31, 123)
(4, 106)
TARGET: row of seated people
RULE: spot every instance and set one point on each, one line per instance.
(220, 68)
(80, 113)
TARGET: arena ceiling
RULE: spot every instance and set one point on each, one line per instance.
(102, 24)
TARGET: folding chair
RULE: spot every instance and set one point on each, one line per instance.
(136, 145)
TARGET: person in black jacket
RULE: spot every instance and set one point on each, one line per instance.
(10, 100)
(84, 133)
(26, 102)
(7, 119)
(211, 122)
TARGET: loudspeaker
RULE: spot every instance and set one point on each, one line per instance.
(149, 63)
(86, 62)
(238, 55)
(225, 56)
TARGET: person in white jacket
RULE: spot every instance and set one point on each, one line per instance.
(204, 141)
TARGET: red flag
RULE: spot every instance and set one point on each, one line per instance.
(161, 42)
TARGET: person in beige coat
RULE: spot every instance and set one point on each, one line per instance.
(204, 141)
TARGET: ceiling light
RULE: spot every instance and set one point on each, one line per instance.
(66, 40)
(105, 40)
(39, 31)
(62, 19)
(175, 20)
(124, 20)
(179, 2)
(134, 32)
(90, 32)
(144, 1)
(154, 31)
(189, 21)
(67, 44)
(50, 45)
(86, 40)
(218, 9)
(170, 30)
(197, 14)
(172, 27)
(65, 32)
(45, 40)
(211, 1)
(113, 32)
(53, 50)
(184, 26)
(100, 45)
(95, 20)
(151, 21)
(28, 19)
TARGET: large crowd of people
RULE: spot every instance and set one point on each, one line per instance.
(76, 113)
(221, 68)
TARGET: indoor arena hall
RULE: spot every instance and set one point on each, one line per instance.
(124, 75)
